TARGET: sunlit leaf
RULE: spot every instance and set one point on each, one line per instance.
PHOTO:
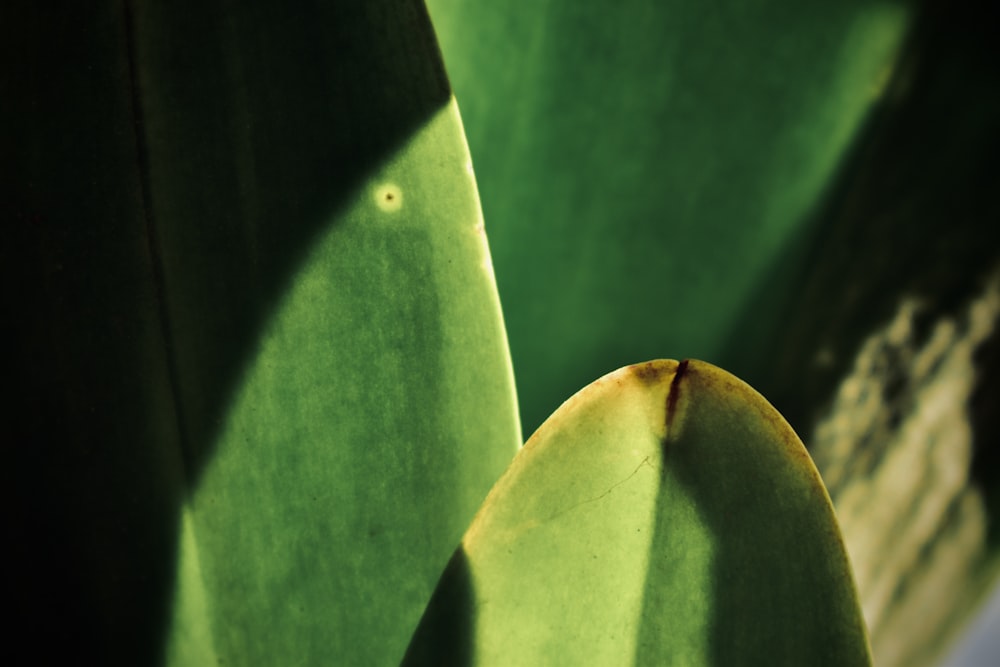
(666, 514)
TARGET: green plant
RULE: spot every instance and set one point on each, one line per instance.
(666, 514)
(802, 194)
(263, 382)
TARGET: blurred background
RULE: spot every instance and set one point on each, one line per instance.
(803, 193)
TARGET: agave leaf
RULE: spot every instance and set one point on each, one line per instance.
(257, 329)
(777, 171)
(353, 456)
(639, 131)
(666, 514)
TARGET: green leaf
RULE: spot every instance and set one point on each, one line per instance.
(613, 139)
(665, 514)
(257, 330)
(355, 452)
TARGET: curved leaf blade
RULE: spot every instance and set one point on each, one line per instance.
(666, 514)
(352, 459)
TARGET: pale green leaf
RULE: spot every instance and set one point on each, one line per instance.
(666, 514)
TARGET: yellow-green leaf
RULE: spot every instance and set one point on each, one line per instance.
(666, 514)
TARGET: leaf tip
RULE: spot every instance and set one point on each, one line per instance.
(675, 391)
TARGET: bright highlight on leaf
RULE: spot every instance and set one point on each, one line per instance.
(666, 514)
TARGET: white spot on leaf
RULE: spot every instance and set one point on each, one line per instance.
(388, 197)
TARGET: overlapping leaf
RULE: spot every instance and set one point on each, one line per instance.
(666, 514)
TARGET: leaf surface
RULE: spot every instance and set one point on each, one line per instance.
(645, 151)
(352, 456)
(666, 514)
(257, 329)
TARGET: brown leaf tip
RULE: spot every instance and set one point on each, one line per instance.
(648, 372)
(675, 391)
